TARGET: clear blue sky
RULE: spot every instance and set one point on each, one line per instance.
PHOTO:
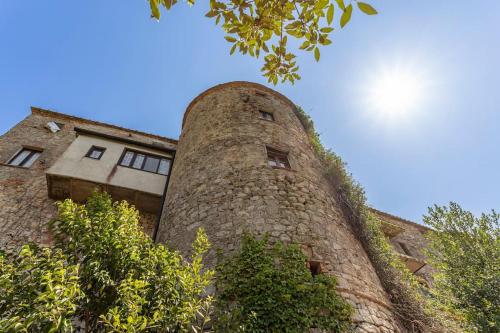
(106, 60)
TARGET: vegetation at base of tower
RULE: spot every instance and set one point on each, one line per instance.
(415, 312)
(465, 250)
(105, 271)
(264, 26)
(266, 288)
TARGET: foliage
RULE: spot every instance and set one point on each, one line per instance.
(106, 272)
(414, 311)
(255, 26)
(266, 289)
(39, 289)
(466, 252)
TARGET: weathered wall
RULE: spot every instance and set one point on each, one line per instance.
(413, 238)
(221, 181)
(25, 207)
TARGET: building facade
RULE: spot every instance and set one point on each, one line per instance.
(243, 163)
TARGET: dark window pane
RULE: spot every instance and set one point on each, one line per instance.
(151, 164)
(267, 115)
(139, 158)
(96, 153)
(164, 167)
(127, 158)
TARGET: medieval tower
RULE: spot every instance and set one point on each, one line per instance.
(243, 163)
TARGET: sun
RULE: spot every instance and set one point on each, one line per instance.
(395, 92)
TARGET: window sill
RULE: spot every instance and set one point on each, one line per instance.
(280, 168)
(268, 120)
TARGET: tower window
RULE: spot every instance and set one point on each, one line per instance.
(266, 115)
(95, 152)
(277, 159)
(25, 157)
(145, 162)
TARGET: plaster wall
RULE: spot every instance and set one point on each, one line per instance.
(73, 163)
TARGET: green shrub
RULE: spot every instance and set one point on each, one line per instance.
(105, 272)
(269, 289)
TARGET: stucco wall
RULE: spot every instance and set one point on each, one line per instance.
(221, 181)
(74, 163)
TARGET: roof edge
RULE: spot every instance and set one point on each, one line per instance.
(414, 224)
(45, 112)
(234, 84)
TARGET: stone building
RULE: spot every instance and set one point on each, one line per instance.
(243, 162)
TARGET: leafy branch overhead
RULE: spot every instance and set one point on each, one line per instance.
(262, 27)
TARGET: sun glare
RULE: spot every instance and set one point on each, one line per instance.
(396, 92)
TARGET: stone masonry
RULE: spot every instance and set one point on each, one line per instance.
(221, 180)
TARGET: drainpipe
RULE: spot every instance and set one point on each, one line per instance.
(163, 197)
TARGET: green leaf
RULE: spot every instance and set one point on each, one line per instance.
(341, 4)
(346, 16)
(230, 39)
(329, 14)
(316, 54)
(305, 45)
(233, 48)
(366, 8)
(155, 11)
(326, 30)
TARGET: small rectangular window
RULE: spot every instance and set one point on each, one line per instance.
(277, 159)
(266, 115)
(25, 157)
(95, 152)
(315, 267)
(145, 162)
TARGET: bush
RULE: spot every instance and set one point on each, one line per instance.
(105, 272)
(266, 289)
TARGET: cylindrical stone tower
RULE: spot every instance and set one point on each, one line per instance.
(244, 163)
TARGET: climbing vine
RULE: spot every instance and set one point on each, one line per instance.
(264, 288)
(416, 312)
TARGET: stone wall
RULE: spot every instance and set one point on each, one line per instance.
(221, 181)
(25, 207)
(412, 237)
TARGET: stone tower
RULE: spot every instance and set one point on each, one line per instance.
(244, 163)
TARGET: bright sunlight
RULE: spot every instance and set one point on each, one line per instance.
(395, 92)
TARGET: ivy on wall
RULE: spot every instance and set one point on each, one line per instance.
(264, 288)
(416, 312)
